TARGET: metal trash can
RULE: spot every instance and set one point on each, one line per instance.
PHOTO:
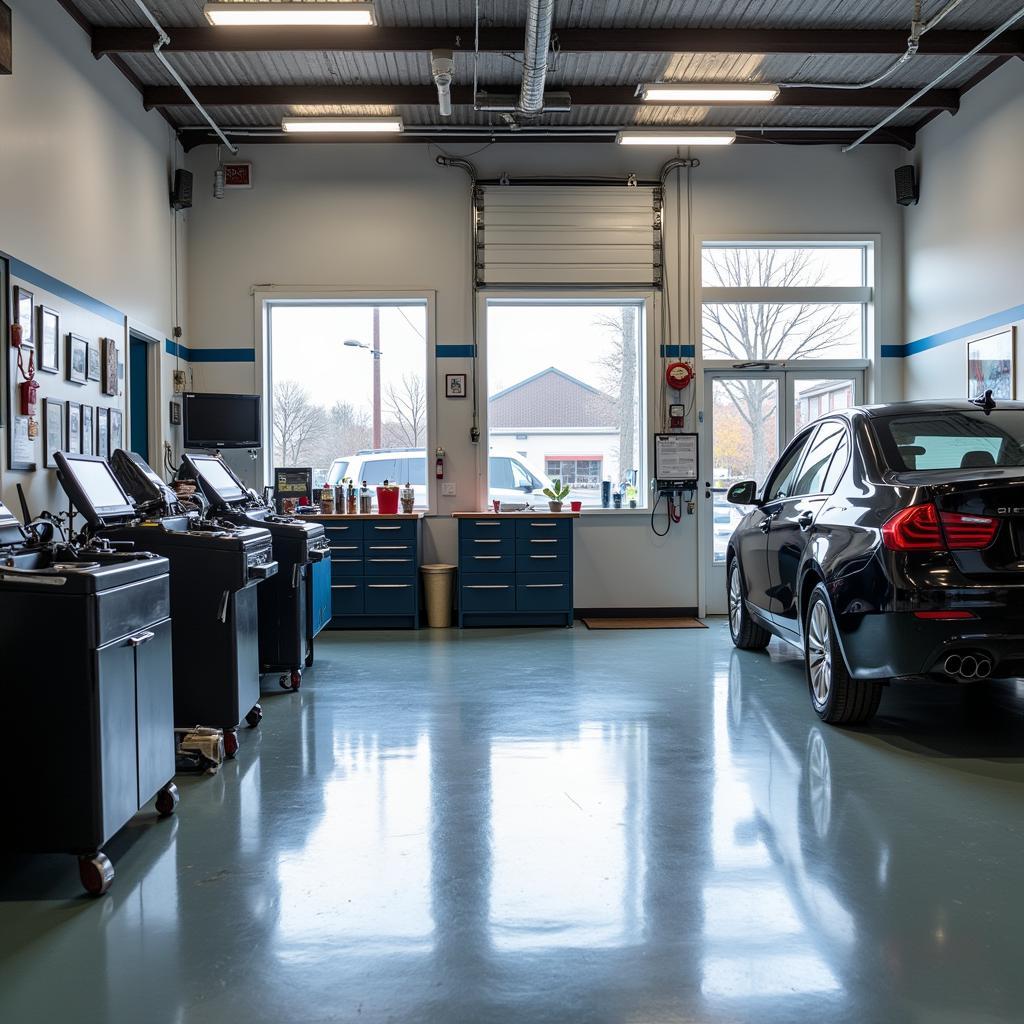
(438, 581)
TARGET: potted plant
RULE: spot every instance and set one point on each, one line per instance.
(556, 494)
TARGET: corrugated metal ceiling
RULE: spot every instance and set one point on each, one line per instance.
(572, 69)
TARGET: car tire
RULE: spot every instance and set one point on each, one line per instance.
(747, 635)
(837, 697)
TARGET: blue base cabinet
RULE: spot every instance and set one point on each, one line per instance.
(375, 579)
(515, 571)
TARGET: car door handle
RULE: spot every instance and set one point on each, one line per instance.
(765, 525)
(804, 520)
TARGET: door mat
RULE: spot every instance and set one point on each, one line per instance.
(683, 623)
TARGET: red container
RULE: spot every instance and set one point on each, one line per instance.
(387, 501)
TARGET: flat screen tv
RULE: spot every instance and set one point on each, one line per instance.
(221, 421)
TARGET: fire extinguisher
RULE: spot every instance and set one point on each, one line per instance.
(27, 390)
(439, 464)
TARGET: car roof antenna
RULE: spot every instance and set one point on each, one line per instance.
(987, 403)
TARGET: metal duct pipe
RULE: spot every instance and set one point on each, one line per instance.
(442, 68)
(539, 17)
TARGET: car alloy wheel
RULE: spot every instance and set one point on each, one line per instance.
(819, 652)
(735, 601)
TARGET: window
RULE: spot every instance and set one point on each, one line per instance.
(565, 381)
(952, 440)
(783, 483)
(772, 302)
(819, 458)
(349, 379)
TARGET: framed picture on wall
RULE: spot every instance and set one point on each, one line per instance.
(53, 431)
(455, 385)
(93, 372)
(88, 430)
(990, 364)
(78, 357)
(22, 309)
(116, 430)
(102, 424)
(49, 340)
(109, 366)
(73, 436)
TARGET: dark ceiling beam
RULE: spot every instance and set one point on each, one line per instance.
(107, 40)
(582, 96)
(201, 136)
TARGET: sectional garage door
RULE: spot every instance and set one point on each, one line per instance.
(551, 235)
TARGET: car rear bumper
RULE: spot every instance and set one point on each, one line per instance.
(888, 645)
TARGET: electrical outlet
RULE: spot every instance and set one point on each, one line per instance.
(447, 489)
(179, 381)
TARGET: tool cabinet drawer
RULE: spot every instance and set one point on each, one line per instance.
(388, 563)
(389, 531)
(483, 560)
(543, 592)
(393, 597)
(344, 533)
(487, 546)
(493, 528)
(344, 564)
(543, 561)
(494, 592)
(560, 529)
(347, 597)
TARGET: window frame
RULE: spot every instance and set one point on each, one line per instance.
(650, 301)
(265, 298)
(868, 295)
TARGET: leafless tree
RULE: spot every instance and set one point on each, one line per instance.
(406, 409)
(619, 367)
(345, 430)
(296, 423)
(750, 332)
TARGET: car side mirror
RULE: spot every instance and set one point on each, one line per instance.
(527, 488)
(743, 493)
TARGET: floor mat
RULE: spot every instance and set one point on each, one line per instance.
(644, 624)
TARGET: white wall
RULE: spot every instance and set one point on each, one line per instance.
(965, 240)
(386, 217)
(84, 175)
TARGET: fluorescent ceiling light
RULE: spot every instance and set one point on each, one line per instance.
(700, 138)
(349, 125)
(329, 13)
(709, 92)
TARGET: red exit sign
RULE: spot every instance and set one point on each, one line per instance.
(238, 175)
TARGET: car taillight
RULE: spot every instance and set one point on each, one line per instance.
(924, 528)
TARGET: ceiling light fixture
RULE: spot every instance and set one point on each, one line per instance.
(708, 92)
(331, 12)
(343, 125)
(701, 138)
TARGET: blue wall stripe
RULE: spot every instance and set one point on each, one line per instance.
(677, 351)
(209, 355)
(455, 351)
(968, 330)
(34, 276)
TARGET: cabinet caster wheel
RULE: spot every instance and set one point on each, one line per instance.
(96, 873)
(254, 717)
(167, 800)
(292, 682)
(230, 742)
(309, 657)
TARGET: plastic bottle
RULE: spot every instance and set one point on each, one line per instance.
(365, 500)
(606, 493)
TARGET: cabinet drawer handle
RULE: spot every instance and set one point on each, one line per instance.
(490, 522)
(487, 558)
(140, 638)
(344, 547)
(343, 586)
(389, 586)
(389, 547)
(336, 529)
(544, 586)
(543, 556)
(345, 561)
(387, 527)
(543, 526)
(545, 540)
(488, 586)
(488, 541)
(400, 561)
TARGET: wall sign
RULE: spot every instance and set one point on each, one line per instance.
(238, 175)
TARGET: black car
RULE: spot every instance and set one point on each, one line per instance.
(888, 543)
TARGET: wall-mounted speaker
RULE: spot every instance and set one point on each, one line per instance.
(908, 191)
(181, 195)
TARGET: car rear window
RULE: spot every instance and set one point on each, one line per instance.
(919, 442)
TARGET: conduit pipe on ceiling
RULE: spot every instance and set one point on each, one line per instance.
(917, 29)
(539, 16)
(990, 38)
(162, 40)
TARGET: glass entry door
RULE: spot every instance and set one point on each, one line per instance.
(749, 418)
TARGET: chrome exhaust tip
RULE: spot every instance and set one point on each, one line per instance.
(984, 669)
(968, 666)
(952, 664)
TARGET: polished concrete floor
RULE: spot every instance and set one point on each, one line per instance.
(555, 826)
